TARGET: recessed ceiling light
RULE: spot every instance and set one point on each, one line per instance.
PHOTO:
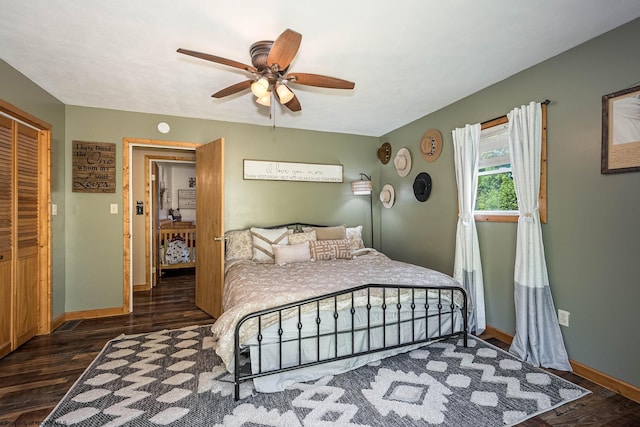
(164, 127)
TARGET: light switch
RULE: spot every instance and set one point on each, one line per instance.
(54, 209)
(114, 208)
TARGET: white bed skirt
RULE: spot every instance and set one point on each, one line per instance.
(267, 356)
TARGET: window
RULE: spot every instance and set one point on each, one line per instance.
(496, 197)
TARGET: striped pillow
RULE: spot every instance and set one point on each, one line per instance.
(322, 250)
(263, 238)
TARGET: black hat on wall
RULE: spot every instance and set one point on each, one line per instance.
(422, 186)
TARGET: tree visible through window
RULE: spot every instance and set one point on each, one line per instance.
(496, 197)
(496, 192)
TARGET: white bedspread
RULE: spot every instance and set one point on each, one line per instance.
(251, 287)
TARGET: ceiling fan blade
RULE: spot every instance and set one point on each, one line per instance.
(294, 104)
(319, 81)
(238, 87)
(284, 49)
(218, 59)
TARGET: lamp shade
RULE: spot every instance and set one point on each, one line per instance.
(265, 99)
(284, 93)
(260, 87)
(361, 188)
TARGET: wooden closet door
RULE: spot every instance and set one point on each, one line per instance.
(27, 262)
(6, 232)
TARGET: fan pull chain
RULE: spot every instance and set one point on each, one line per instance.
(272, 113)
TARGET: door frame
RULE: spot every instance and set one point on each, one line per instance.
(127, 205)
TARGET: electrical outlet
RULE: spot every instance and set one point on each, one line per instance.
(563, 318)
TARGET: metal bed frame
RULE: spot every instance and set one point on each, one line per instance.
(446, 307)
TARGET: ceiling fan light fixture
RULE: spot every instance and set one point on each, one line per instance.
(265, 99)
(269, 71)
(260, 87)
(284, 93)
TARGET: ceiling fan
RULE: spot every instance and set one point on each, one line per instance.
(271, 61)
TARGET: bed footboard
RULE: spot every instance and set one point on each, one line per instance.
(359, 321)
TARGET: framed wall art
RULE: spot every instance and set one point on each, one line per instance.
(186, 199)
(621, 131)
(288, 171)
(94, 167)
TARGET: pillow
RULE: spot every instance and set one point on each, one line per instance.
(285, 254)
(297, 238)
(239, 245)
(337, 232)
(354, 235)
(322, 250)
(263, 238)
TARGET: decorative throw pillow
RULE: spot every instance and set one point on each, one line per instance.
(239, 245)
(297, 238)
(286, 254)
(263, 238)
(337, 232)
(322, 250)
(177, 252)
(354, 235)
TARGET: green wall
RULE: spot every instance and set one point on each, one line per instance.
(94, 249)
(592, 236)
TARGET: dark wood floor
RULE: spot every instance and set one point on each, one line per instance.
(37, 375)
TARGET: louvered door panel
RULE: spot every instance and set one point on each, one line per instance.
(6, 234)
(6, 173)
(26, 302)
(27, 175)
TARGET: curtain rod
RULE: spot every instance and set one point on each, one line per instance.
(545, 102)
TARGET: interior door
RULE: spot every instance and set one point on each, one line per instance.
(155, 205)
(6, 233)
(210, 227)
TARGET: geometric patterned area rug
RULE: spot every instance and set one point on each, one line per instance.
(175, 378)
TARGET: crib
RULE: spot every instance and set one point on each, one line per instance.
(176, 245)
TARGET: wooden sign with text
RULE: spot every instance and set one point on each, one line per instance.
(94, 167)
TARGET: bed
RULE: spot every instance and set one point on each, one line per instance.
(176, 245)
(308, 317)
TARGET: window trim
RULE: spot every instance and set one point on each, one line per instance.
(512, 216)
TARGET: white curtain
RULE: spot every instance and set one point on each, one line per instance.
(538, 339)
(467, 267)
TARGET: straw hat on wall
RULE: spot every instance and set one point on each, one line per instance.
(402, 162)
(387, 196)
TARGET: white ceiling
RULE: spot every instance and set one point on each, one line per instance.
(408, 58)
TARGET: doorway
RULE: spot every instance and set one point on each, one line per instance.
(128, 144)
(163, 178)
(209, 233)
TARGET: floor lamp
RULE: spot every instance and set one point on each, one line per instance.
(364, 187)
